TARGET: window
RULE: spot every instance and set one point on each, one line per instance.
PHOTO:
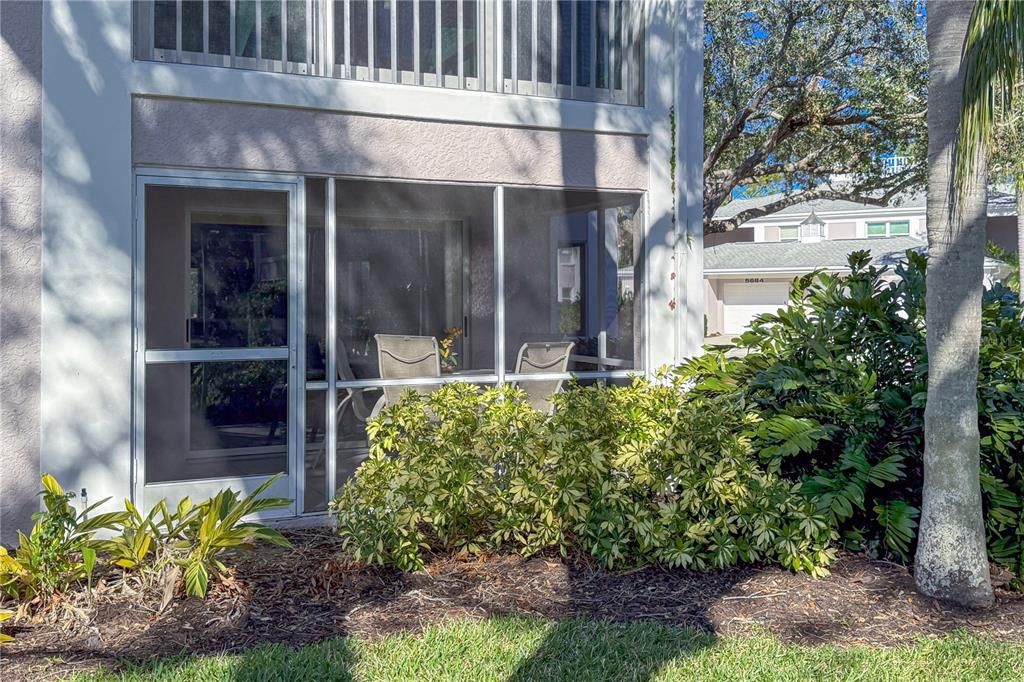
(890, 229)
(573, 273)
(789, 233)
(571, 49)
(899, 228)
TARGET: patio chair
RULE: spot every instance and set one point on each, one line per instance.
(406, 357)
(543, 358)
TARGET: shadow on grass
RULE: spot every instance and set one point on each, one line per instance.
(581, 650)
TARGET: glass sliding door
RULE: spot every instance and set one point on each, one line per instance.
(217, 323)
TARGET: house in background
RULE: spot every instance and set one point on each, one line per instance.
(748, 271)
(212, 209)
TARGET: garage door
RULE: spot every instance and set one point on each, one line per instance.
(742, 302)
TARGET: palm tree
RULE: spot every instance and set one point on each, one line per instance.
(951, 561)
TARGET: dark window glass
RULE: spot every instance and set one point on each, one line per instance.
(316, 280)
(340, 36)
(245, 28)
(584, 38)
(405, 35)
(602, 43)
(271, 35)
(192, 25)
(544, 41)
(469, 45)
(216, 276)
(165, 25)
(524, 40)
(296, 30)
(428, 40)
(564, 42)
(616, 30)
(220, 27)
(382, 34)
(360, 19)
(450, 37)
(216, 420)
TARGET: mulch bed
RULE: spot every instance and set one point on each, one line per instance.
(305, 594)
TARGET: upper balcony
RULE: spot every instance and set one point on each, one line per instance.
(590, 50)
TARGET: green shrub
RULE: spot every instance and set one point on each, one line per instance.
(58, 553)
(634, 475)
(839, 380)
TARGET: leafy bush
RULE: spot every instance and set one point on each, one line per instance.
(839, 379)
(58, 553)
(633, 475)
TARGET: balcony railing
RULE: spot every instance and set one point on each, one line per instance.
(570, 49)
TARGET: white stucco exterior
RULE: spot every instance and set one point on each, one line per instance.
(97, 100)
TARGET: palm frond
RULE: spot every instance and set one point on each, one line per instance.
(992, 62)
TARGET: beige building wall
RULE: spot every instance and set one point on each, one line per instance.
(179, 132)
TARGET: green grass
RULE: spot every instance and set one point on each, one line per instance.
(523, 649)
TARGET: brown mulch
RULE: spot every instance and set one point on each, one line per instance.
(304, 594)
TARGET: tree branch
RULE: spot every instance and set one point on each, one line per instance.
(726, 224)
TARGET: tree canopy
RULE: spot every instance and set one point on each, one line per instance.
(808, 97)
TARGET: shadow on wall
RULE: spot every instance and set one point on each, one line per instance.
(20, 141)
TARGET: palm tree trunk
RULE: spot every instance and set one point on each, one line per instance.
(951, 561)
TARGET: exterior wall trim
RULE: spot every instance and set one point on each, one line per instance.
(448, 105)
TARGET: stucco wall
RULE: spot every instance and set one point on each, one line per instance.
(179, 132)
(20, 277)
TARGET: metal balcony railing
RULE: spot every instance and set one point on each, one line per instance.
(571, 49)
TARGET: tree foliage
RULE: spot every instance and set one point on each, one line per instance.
(808, 97)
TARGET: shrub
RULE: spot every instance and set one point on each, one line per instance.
(839, 379)
(634, 475)
(58, 553)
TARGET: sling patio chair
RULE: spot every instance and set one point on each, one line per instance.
(406, 357)
(541, 357)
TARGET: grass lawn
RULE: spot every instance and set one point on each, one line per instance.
(521, 649)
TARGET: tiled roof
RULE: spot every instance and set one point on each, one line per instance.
(804, 256)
